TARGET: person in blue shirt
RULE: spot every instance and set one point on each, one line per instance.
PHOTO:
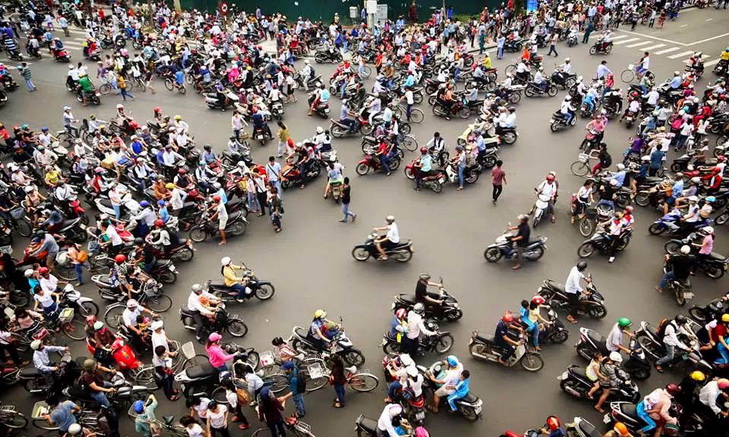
(676, 80)
(656, 161)
(259, 122)
(163, 213)
(620, 175)
(180, 78)
(532, 327)
(502, 339)
(292, 373)
(461, 390)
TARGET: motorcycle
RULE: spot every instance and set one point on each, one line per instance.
(263, 290)
(572, 40)
(575, 382)
(532, 89)
(592, 304)
(503, 248)
(61, 55)
(592, 344)
(600, 48)
(330, 55)
(709, 311)
(555, 332)
(124, 395)
(340, 345)
(213, 102)
(441, 342)
(601, 242)
(291, 174)
(559, 121)
(223, 321)
(402, 252)
(261, 135)
(629, 119)
(671, 224)
(458, 107)
(341, 130)
(652, 343)
(277, 110)
(540, 208)
(483, 347)
(448, 311)
(566, 81)
(513, 45)
(92, 97)
(470, 174)
(34, 383)
(468, 407)
(625, 413)
(235, 226)
(373, 162)
(434, 181)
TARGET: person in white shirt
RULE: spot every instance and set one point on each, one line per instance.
(197, 309)
(416, 325)
(453, 371)
(573, 289)
(603, 70)
(384, 423)
(567, 109)
(709, 397)
(671, 341)
(389, 240)
(217, 418)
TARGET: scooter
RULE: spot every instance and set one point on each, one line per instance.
(61, 55)
(559, 121)
(601, 242)
(592, 304)
(401, 252)
(653, 345)
(223, 321)
(540, 208)
(600, 48)
(441, 342)
(263, 290)
(340, 345)
(503, 248)
(469, 407)
(372, 162)
(448, 311)
(592, 343)
(483, 347)
(125, 393)
(575, 382)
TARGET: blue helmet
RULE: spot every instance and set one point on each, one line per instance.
(139, 406)
(711, 199)
(452, 360)
(144, 204)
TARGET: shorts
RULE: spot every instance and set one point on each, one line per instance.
(442, 392)
(222, 224)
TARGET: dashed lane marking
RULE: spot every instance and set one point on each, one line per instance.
(638, 44)
(710, 63)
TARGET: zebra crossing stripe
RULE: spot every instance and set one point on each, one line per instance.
(641, 43)
(668, 50)
(682, 54)
(710, 63)
(653, 47)
(625, 41)
(614, 36)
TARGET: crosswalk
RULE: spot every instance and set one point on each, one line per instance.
(653, 46)
(75, 41)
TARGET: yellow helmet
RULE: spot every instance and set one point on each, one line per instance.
(697, 375)
(178, 117)
(170, 186)
(725, 318)
(320, 314)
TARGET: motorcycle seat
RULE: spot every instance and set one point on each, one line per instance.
(533, 241)
(578, 371)
(29, 372)
(629, 410)
(186, 311)
(104, 280)
(302, 332)
(201, 371)
(369, 139)
(69, 223)
(588, 429)
(653, 179)
(717, 256)
(367, 424)
(652, 331)
(168, 420)
(556, 285)
(401, 244)
(486, 338)
(469, 398)
(596, 337)
(408, 298)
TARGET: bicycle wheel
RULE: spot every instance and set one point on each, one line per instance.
(410, 143)
(416, 116)
(145, 376)
(314, 384)
(627, 75)
(104, 89)
(364, 382)
(169, 85)
(159, 303)
(75, 330)
(16, 421)
(579, 168)
(113, 316)
(66, 273)
(140, 84)
(278, 382)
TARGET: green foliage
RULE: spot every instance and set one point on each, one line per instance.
(463, 18)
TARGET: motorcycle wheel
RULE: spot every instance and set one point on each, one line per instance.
(713, 271)
(586, 250)
(444, 344)
(537, 219)
(593, 50)
(477, 350)
(597, 312)
(391, 348)
(66, 273)
(468, 413)
(237, 328)
(656, 229)
(360, 254)
(159, 304)
(679, 296)
(672, 247)
(395, 163)
(362, 169)
(489, 162)
(559, 337)
(642, 199)
(464, 113)
(436, 186)
(75, 330)
(586, 227)
(409, 173)
(237, 228)
(405, 128)
(539, 252)
(183, 255)
(529, 91)
(552, 91)
(418, 98)
(438, 110)
(265, 291)
(452, 316)
(492, 254)
(89, 308)
(145, 376)
(198, 234)
(365, 129)
(622, 199)
(21, 299)
(722, 218)
(353, 357)
(24, 229)
(608, 49)
(509, 138)
(698, 314)
(554, 126)
(169, 85)
(515, 97)
(472, 177)
(219, 395)
(532, 362)
(568, 385)
(338, 132)
(641, 374)
(167, 277)
(319, 57)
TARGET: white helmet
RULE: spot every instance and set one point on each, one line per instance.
(225, 260)
(621, 167)
(319, 130)
(132, 303)
(119, 106)
(75, 429)
(708, 230)
(306, 61)
(567, 60)
(615, 357)
(685, 249)
(35, 344)
(390, 218)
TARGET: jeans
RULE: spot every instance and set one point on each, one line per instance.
(347, 212)
(724, 354)
(166, 382)
(497, 192)
(125, 94)
(222, 431)
(350, 123)
(242, 290)
(670, 352)
(651, 424)
(277, 428)
(393, 388)
(461, 177)
(253, 202)
(508, 349)
(29, 84)
(533, 329)
(117, 211)
(100, 396)
(681, 141)
(385, 161)
(552, 48)
(666, 277)
(299, 404)
(72, 130)
(339, 390)
(500, 52)
(79, 268)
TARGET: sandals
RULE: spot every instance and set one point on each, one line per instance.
(432, 409)
(338, 405)
(599, 410)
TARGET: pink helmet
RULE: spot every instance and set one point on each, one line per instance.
(723, 383)
(401, 313)
(214, 337)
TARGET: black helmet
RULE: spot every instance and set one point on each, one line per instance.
(277, 341)
(582, 265)
(139, 241)
(681, 319)
(208, 147)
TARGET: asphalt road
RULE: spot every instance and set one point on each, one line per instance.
(310, 262)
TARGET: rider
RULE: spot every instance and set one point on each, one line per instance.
(678, 267)
(502, 339)
(391, 238)
(93, 384)
(130, 318)
(318, 330)
(567, 109)
(671, 331)
(553, 427)
(42, 362)
(416, 325)
(423, 167)
(452, 376)
(614, 341)
(233, 282)
(196, 307)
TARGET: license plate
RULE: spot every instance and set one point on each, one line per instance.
(477, 410)
(688, 295)
(563, 376)
(606, 418)
(82, 226)
(171, 267)
(420, 415)
(327, 111)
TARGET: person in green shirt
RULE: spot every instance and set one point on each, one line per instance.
(86, 86)
(144, 422)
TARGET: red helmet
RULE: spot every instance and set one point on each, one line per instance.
(120, 258)
(539, 300)
(673, 389)
(508, 318)
(43, 270)
(423, 150)
(90, 320)
(401, 313)
(553, 423)
(550, 178)
(159, 223)
(157, 109)
(181, 171)
(723, 383)
(216, 198)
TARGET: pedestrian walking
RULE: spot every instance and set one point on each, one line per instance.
(498, 180)
(338, 380)
(217, 419)
(261, 192)
(123, 87)
(25, 72)
(588, 31)
(275, 206)
(79, 259)
(346, 199)
(553, 45)
(237, 397)
(148, 79)
(500, 46)
(273, 173)
(283, 139)
(297, 387)
(269, 411)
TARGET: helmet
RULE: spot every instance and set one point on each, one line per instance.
(319, 130)
(708, 229)
(178, 117)
(582, 265)
(197, 288)
(320, 314)
(144, 204)
(214, 337)
(621, 429)
(43, 270)
(157, 109)
(624, 322)
(685, 249)
(98, 325)
(553, 423)
(725, 318)
(629, 208)
(621, 167)
(225, 260)
(118, 106)
(710, 199)
(390, 218)
(538, 300)
(507, 318)
(120, 258)
(697, 375)
(139, 406)
(35, 344)
(550, 178)
(75, 429)
(673, 389)
(159, 223)
(170, 186)
(568, 98)
(401, 313)
(216, 198)
(693, 199)
(423, 150)
(132, 303)
(616, 357)
(89, 364)
(452, 360)
(419, 308)
(723, 383)
(566, 59)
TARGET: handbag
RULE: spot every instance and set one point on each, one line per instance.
(243, 396)
(82, 256)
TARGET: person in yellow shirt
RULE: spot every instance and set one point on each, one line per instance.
(232, 281)
(725, 55)
(122, 84)
(53, 175)
(486, 61)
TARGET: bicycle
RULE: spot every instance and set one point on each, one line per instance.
(416, 115)
(171, 85)
(631, 73)
(297, 427)
(581, 167)
(12, 418)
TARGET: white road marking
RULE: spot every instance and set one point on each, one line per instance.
(680, 55)
(710, 63)
(641, 43)
(668, 50)
(614, 36)
(708, 39)
(709, 19)
(653, 47)
(653, 37)
(625, 41)
(683, 25)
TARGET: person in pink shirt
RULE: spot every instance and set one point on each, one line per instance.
(216, 355)
(706, 245)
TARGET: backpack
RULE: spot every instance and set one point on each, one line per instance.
(301, 382)
(662, 327)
